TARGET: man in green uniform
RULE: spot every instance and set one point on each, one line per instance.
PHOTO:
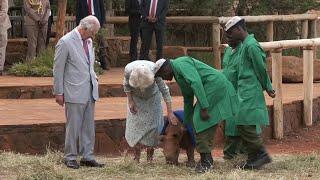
(252, 81)
(232, 141)
(216, 100)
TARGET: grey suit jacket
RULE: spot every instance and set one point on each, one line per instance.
(74, 75)
(4, 17)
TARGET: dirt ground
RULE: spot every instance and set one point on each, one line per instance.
(305, 140)
(302, 141)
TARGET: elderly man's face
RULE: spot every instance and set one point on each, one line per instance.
(90, 34)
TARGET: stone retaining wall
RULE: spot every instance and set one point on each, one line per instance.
(36, 92)
(35, 139)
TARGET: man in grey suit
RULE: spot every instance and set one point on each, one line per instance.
(76, 86)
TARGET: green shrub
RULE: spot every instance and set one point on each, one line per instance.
(40, 66)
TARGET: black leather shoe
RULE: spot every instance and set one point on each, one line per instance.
(92, 163)
(72, 164)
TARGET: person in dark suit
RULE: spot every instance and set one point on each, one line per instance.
(95, 8)
(132, 8)
(153, 20)
(50, 22)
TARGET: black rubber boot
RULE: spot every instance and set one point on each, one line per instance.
(205, 164)
(258, 161)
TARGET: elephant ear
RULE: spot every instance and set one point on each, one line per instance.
(183, 129)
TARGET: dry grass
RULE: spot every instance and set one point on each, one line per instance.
(49, 166)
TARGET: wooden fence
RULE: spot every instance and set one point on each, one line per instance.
(217, 27)
(276, 49)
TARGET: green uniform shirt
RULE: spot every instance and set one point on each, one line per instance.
(252, 81)
(211, 88)
(230, 64)
(230, 70)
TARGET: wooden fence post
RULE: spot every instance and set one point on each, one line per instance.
(313, 29)
(109, 13)
(270, 31)
(307, 85)
(62, 7)
(304, 29)
(313, 34)
(277, 85)
(216, 45)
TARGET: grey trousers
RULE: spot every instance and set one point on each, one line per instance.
(3, 46)
(79, 126)
(36, 36)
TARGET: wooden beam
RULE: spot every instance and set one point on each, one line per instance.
(277, 85)
(266, 18)
(171, 20)
(286, 44)
(313, 34)
(304, 29)
(307, 85)
(62, 7)
(313, 29)
(203, 49)
(221, 20)
(270, 31)
(216, 45)
(109, 13)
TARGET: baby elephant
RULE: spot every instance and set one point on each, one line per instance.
(175, 137)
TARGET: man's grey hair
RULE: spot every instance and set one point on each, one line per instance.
(89, 23)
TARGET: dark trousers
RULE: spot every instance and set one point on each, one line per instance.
(147, 32)
(50, 22)
(250, 139)
(134, 27)
(205, 140)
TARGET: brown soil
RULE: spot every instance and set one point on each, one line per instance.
(302, 141)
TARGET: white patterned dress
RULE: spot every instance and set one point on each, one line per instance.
(145, 126)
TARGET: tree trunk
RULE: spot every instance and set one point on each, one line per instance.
(62, 7)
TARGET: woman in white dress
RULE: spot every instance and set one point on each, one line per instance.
(145, 116)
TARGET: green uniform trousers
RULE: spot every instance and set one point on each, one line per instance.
(251, 140)
(232, 147)
(205, 140)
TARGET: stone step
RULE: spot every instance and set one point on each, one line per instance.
(45, 91)
(110, 85)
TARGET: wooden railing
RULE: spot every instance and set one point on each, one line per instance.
(276, 49)
(217, 27)
(217, 24)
